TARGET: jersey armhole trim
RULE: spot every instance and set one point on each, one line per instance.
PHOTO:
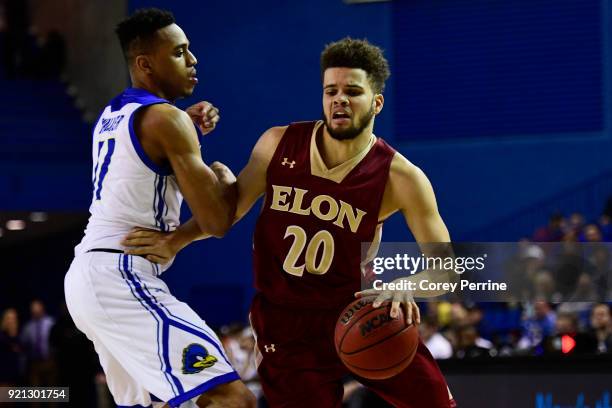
(138, 147)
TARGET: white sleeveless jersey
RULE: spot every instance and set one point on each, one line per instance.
(129, 190)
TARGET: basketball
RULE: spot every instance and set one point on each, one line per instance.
(371, 343)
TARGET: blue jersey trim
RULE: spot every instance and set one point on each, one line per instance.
(165, 322)
(144, 98)
(201, 389)
(95, 173)
(186, 326)
(105, 164)
(151, 304)
(134, 95)
(154, 398)
(134, 406)
(159, 211)
(164, 171)
(123, 260)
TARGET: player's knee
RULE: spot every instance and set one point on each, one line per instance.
(233, 395)
(246, 399)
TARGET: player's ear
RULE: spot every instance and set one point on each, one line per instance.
(143, 63)
(379, 101)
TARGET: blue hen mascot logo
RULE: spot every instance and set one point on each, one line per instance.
(196, 358)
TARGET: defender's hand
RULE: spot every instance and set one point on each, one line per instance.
(397, 297)
(204, 115)
(155, 246)
(223, 172)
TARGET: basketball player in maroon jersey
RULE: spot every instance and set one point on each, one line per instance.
(328, 185)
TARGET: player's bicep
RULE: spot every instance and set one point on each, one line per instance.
(173, 130)
(420, 209)
(252, 178)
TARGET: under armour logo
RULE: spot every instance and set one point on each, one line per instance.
(270, 348)
(286, 161)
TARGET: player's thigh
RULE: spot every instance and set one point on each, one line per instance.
(231, 395)
(300, 374)
(159, 341)
(420, 385)
(126, 391)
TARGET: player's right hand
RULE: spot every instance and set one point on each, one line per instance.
(224, 174)
(155, 246)
(398, 298)
(204, 115)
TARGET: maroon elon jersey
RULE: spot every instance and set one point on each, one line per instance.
(307, 242)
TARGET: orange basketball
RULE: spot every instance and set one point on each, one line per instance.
(371, 343)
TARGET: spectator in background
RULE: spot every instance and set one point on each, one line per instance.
(544, 288)
(15, 47)
(601, 263)
(575, 223)
(539, 322)
(608, 209)
(35, 338)
(567, 326)
(11, 351)
(553, 232)
(569, 265)
(51, 56)
(605, 226)
(601, 325)
(581, 300)
(463, 318)
(77, 362)
(591, 233)
(468, 344)
(439, 347)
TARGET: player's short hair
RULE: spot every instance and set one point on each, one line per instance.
(353, 53)
(136, 32)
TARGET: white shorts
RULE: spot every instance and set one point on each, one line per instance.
(151, 346)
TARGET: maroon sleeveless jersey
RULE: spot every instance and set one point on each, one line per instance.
(307, 242)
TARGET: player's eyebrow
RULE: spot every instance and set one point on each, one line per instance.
(348, 86)
(183, 45)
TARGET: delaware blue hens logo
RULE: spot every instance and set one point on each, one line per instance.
(196, 358)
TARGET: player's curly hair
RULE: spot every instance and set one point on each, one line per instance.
(353, 53)
(136, 31)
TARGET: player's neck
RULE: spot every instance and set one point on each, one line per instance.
(152, 88)
(335, 152)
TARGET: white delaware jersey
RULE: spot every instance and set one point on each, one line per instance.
(152, 347)
(129, 190)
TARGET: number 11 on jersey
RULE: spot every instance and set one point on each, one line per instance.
(98, 176)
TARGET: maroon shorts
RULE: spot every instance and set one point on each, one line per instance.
(300, 367)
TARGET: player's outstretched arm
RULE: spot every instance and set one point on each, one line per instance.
(412, 193)
(252, 178)
(408, 190)
(210, 193)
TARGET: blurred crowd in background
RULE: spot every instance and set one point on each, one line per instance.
(42, 346)
(28, 52)
(40, 349)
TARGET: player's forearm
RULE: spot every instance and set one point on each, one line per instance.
(438, 275)
(225, 198)
(187, 233)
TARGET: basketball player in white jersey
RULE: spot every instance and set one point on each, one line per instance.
(155, 350)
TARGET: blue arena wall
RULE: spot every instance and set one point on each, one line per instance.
(494, 130)
(542, 124)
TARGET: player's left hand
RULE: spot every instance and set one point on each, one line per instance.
(155, 246)
(397, 297)
(204, 115)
